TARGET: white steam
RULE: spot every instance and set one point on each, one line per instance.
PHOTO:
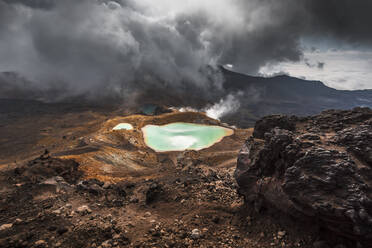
(227, 105)
(187, 109)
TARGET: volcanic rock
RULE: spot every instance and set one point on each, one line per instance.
(195, 234)
(91, 186)
(153, 192)
(83, 210)
(324, 177)
(5, 227)
(46, 167)
(40, 243)
(269, 122)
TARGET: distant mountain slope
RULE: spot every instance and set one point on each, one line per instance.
(287, 95)
(258, 97)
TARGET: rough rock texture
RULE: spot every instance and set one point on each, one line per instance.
(269, 122)
(317, 169)
(45, 167)
(189, 205)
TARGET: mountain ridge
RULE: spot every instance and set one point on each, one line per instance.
(258, 96)
(287, 95)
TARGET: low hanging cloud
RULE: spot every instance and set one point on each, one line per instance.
(93, 46)
(127, 47)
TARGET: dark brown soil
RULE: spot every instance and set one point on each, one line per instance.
(187, 199)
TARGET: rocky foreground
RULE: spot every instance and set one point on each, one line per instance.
(316, 171)
(47, 203)
(302, 182)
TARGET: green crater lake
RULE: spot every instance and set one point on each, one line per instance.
(182, 136)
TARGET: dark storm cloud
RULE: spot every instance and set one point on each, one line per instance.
(320, 65)
(95, 47)
(43, 4)
(131, 46)
(341, 19)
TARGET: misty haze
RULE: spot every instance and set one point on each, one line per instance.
(215, 123)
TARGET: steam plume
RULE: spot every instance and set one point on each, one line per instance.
(227, 105)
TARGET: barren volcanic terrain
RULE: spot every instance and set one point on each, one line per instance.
(185, 124)
(69, 180)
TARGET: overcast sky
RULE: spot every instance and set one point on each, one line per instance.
(340, 69)
(91, 45)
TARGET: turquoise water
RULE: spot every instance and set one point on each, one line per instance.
(148, 109)
(123, 126)
(183, 136)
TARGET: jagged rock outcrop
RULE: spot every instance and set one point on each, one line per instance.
(46, 167)
(269, 122)
(316, 168)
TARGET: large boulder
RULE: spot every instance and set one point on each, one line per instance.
(269, 122)
(319, 170)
